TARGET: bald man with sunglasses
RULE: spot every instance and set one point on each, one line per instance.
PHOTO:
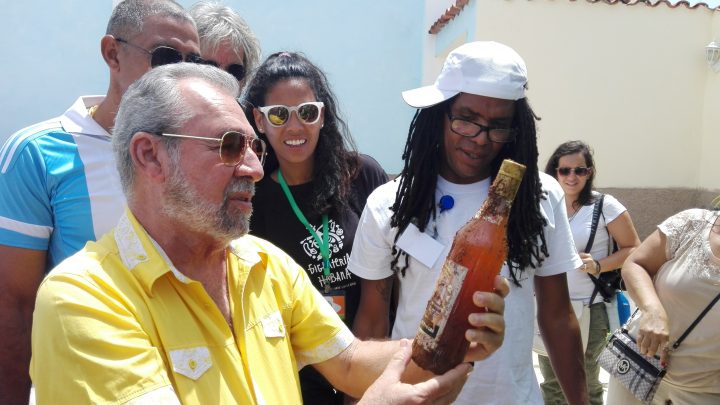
(58, 180)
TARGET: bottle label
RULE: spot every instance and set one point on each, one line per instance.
(441, 304)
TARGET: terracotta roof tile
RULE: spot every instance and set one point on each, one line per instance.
(452, 11)
(448, 15)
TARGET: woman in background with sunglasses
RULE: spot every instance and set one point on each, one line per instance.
(315, 185)
(572, 165)
(226, 41)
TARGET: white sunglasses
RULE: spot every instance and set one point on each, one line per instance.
(278, 115)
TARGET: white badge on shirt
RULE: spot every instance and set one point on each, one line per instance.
(420, 245)
(273, 325)
(192, 362)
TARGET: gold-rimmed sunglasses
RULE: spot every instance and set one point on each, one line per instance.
(233, 145)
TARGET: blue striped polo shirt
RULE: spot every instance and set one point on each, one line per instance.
(59, 186)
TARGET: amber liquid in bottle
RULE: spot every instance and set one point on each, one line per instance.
(476, 257)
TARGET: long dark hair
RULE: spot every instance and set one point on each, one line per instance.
(335, 156)
(570, 148)
(415, 198)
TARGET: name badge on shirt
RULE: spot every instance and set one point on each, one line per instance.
(420, 245)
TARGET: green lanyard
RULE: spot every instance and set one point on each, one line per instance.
(324, 243)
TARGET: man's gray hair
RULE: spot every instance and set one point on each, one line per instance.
(155, 104)
(128, 17)
(217, 23)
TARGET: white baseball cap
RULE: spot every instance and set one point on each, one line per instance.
(484, 68)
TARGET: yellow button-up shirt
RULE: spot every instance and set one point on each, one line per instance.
(117, 323)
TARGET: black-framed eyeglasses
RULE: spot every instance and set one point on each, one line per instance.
(165, 55)
(235, 69)
(579, 171)
(233, 145)
(469, 129)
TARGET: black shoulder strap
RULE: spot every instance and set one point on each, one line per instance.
(697, 320)
(597, 209)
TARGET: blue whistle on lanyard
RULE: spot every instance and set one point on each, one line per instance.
(446, 202)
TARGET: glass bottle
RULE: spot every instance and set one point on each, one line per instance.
(476, 257)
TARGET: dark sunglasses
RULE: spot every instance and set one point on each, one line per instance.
(232, 146)
(579, 171)
(165, 55)
(234, 69)
(278, 115)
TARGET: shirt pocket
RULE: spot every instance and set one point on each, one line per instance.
(273, 325)
(191, 362)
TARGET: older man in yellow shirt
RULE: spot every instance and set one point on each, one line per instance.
(178, 304)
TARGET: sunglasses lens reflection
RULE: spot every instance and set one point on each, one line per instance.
(234, 145)
(278, 115)
(164, 56)
(309, 113)
(236, 70)
(258, 147)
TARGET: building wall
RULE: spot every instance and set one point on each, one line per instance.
(632, 81)
(709, 161)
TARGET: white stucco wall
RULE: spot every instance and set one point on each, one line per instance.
(709, 159)
(631, 81)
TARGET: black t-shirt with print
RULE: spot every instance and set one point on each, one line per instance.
(274, 220)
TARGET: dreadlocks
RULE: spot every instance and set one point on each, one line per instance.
(415, 197)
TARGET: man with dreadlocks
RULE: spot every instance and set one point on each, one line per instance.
(472, 117)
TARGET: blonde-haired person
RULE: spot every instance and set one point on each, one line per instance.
(672, 277)
(226, 40)
(573, 166)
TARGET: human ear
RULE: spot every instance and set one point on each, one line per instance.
(258, 116)
(109, 47)
(145, 154)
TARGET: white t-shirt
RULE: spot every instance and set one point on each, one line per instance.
(506, 377)
(579, 284)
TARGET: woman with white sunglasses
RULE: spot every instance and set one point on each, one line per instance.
(315, 185)
(573, 166)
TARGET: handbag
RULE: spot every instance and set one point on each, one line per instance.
(639, 374)
(607, 282)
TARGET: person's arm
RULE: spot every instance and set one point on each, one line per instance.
(21, 271)
(372, 319)
(561, 335)
(357, 367)
(388, 389)
(623, 231)
(638, 271)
